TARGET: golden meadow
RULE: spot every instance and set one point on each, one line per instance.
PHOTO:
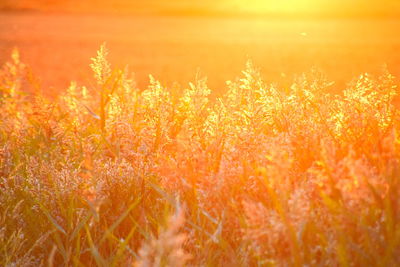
(115, 175)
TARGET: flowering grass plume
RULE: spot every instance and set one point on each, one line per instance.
(268, 175)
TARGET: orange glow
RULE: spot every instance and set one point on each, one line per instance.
(232, 7)
(201, 133)
(318, 7)
(282, 6)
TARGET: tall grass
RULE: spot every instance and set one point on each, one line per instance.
(263, 176)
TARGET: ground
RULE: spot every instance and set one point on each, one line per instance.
(57, 46)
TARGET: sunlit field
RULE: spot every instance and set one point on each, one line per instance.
(173, 49)
(58, 47)
(265, 137)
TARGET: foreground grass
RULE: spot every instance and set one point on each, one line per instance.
(263, 176)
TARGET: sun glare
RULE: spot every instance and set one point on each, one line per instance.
(316, 7)
(281, 6)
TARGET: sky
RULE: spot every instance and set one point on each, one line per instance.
(266, 7)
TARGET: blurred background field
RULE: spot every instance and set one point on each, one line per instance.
(174, 39)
